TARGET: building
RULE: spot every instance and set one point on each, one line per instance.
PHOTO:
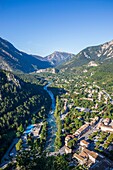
(100, 95)
(89, 98)
(86, 157)
(34, 130)
(106, 121)
(83, 129)
(105, 128)
(94, 121)
(96, 106)
(91, 154)
(84, 143)
(68, 138)
(68, 150)
(80, 159)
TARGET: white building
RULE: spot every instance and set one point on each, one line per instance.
(84, 143)
(68, 150)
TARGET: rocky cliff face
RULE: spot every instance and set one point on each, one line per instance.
(95, 54)
(57, 57)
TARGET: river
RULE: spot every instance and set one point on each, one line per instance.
(51, 133)
(52, 128)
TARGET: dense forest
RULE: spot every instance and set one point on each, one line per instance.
(21, 103)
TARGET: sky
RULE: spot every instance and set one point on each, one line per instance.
(44, 26)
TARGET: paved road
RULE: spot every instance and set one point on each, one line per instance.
(90, 131)
(61, 152)
(6, 159)
(107, 95)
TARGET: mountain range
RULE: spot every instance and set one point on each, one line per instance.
(94, 55)
(57, 58)
(14, 60)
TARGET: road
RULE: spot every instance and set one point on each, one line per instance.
(90, 131)
(63, 115)
(107, 95)
(6, 159)
(61, 152)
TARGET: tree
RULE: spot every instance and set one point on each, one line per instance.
(72, 142)
(97, 143)
(18, 134)
(58, 142)
(20, 128)
(19, 145)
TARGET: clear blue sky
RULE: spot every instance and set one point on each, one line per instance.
(43, 26)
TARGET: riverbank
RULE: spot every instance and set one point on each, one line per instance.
(52, 127)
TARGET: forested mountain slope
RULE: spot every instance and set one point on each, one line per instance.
(21, 103)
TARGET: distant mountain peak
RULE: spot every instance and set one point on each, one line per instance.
(58, 57)
(92, 56)
(110, 42)
(14, 60)
(107, 44)
(60, 52)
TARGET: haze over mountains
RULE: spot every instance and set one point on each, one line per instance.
(14, 60)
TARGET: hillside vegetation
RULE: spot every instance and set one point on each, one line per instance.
(21, 103)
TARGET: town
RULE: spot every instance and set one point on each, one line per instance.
(87, 121)
(84, 121)
(85, 145)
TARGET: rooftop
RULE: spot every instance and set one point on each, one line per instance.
(83, 154)
(69, 137)
(78, 157)
(106, 120)
(84, 141)
(91, 153)
(83, 127)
